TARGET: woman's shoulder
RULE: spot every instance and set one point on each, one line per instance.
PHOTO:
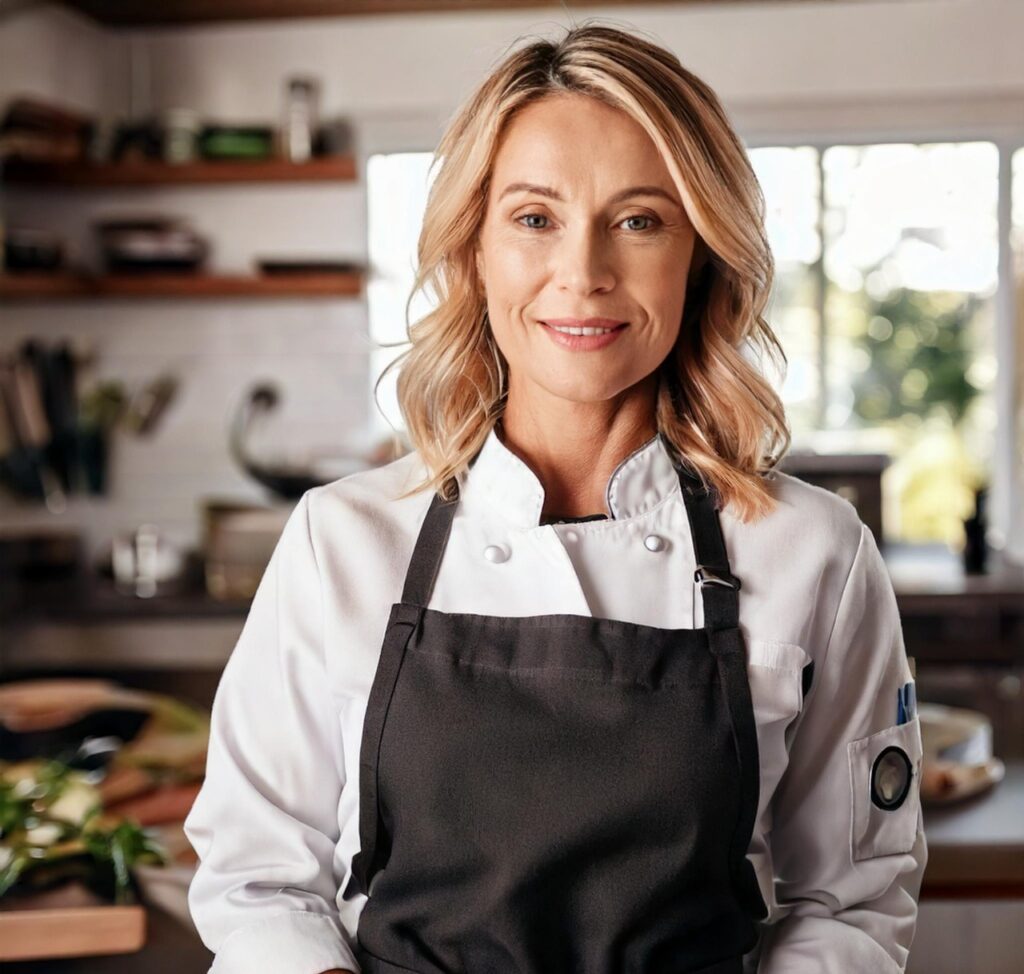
(381, 482)
(817, 508)
(369, 503)
(808, 521)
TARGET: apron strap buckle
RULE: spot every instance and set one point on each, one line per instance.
(720, 576)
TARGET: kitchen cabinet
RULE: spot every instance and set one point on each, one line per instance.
(968, 937)
(971, 915)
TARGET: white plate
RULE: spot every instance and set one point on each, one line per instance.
(948, 782)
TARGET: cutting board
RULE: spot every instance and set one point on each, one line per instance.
(47, 931)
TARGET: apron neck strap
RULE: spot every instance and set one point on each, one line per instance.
(430, 545)
(718, 586)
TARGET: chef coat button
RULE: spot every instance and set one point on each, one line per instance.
(571, 536)
(495, 553)
(654, 542)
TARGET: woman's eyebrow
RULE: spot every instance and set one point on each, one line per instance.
(619, 197)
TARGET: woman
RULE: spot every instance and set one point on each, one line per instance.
(581, 683)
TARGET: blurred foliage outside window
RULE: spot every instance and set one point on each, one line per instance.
(886, 273)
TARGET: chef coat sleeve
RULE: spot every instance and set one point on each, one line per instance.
(848, 873)
(265, 822)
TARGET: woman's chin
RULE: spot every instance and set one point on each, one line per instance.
(572, 389)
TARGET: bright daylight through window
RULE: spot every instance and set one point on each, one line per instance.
(886, 272)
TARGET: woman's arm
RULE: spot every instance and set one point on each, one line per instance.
(265, 823)
(848, 873)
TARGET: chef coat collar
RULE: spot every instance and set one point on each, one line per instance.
(499, 478)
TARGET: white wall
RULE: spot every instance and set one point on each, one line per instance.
(946, 67)
(54, 53)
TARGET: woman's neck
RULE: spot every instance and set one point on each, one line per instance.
(575, 455)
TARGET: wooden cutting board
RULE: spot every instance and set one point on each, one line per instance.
(83, 931)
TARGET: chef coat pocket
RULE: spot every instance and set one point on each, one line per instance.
(885, 777)
(777, 673)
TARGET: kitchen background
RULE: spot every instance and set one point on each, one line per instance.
(209, 220)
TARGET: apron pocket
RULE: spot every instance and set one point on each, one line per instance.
(885, 776)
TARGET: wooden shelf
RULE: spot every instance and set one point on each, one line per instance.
(146, 173)
(28, 287)
(122, 13)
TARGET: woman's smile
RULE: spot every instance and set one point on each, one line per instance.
(583, 337)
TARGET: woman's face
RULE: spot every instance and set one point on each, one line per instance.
(579, 245)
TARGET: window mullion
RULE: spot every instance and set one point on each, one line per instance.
(821, 293)
(1007, 491)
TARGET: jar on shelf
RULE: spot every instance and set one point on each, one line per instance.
(181, 135)
(300, 118)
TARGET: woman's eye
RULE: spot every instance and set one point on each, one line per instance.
(529, 216)
(641, 216)
(636, 216)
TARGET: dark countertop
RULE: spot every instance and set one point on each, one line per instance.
(976, 847)
(90, 598)
(924, 577)
(84, 621)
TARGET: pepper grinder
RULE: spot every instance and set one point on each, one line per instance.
(975, 547)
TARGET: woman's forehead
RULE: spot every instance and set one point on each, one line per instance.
(570, 150)
(562, 123)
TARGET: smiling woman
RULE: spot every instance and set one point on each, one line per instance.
(566, 742)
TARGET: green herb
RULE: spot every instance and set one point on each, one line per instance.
(106, 852)
(121, 847)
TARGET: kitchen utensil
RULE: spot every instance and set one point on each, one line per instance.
(150, 244)
(238, 541)
(301, 265)
(285, 479)
(32, 249)
(40, 552)
(143, 561)
(149, 404)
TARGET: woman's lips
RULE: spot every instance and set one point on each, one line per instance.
(583, 343)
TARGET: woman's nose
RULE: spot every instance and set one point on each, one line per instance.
(584, 262)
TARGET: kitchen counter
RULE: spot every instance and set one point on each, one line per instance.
(924, 576)
(976, 848)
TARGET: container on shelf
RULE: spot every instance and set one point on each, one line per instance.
(300, 118)
(181, 135)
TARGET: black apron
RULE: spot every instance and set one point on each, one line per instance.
(559, 793)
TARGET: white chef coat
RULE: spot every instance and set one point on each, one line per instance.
(276, 823)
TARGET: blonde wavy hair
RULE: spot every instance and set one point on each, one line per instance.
(714, 407)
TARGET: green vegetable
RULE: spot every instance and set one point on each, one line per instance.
(52, 827)
(122, 847)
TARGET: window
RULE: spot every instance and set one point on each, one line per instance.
(397, 187)
(884, 301)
